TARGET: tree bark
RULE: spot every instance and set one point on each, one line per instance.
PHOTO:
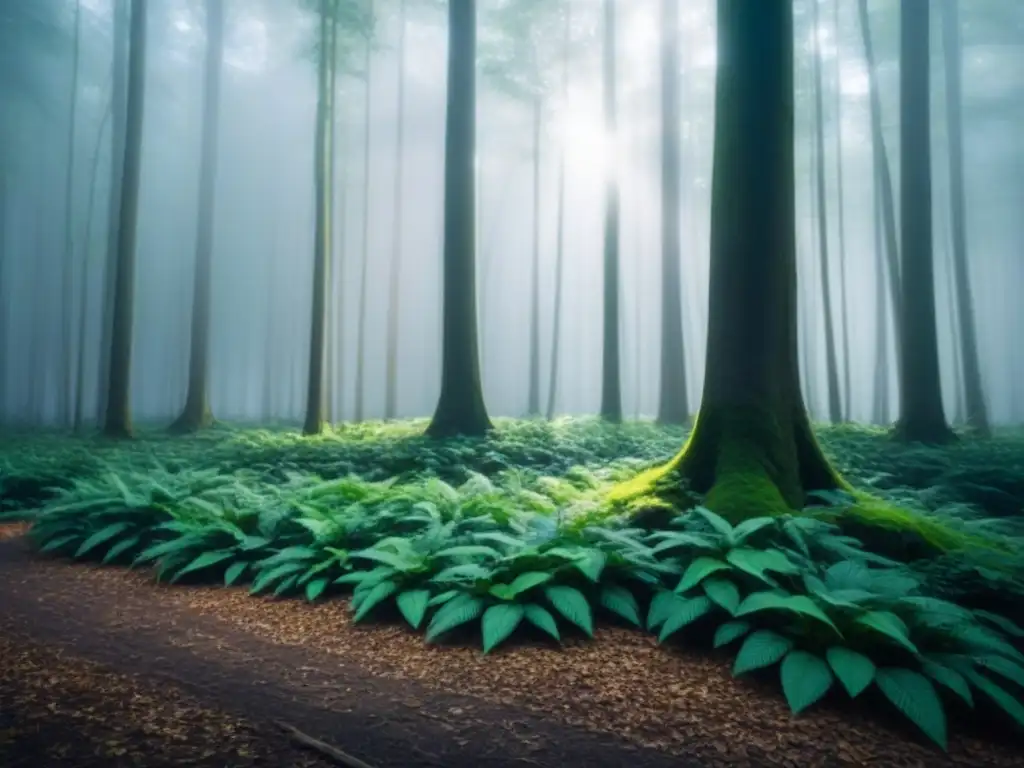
(117, 421)
(611, 382)
(752, 451)
(673, 403)
(196, 413)
(921, 412)
(977, 410)
(460, 407)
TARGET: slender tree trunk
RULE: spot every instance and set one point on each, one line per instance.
(881, 162)
(921, 413)
(673, 403)
(752, 451)
(336, 333)
(959, 408)
(364, 277)
(119, 106)
(977, 411)
(460, 408)
(556, 333)
(118, 422)
(313, 423)
(533, 400)
(197, 414)
(394, 298)
(3, 294)
(880, 400)
(835, 408)
(611, 382)
(841, 212)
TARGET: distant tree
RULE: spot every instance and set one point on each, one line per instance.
(460, 408)
(196, 413)
(364, 286)
(921, 416)
(117, 420)
(841, 212)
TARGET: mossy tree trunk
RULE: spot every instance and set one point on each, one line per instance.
(921, 413)
(673, 403)
(977, 411)
(196, 413)
(117, 420)
(460, 407)
(611, 377)
(752, 451)
(313, 423)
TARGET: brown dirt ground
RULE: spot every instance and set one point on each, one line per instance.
(382, 694)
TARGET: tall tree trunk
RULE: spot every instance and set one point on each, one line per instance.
(460, 407)
(959, 413)
(977, 411)
(394, 299)
(313, 423)
(673, 403)
(611, 382)
(881, 162)
(841, 212)
(752, 451)
(4, 322)
(835, 408)
(921, 413)
(196, 413)
(533, 400)
(364, 279)
(556, 333)
(336, 332)
(880, 400)
(119, 106)
(117, 421)
(67, 272)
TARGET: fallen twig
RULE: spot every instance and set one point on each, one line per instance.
(323, 748)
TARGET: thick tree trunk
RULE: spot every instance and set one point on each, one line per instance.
(752, 451)
(673, 403)
(313, 424)
(977, 411)
(394, 298)
(533, 399)
(841, 220)
(460, 407)
(611, 382)
(117, 420)
(921, 413)
(196, 413)
(364, 278)
(835, 408)
(66, 383)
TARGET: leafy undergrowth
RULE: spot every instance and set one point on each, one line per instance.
(496, 535)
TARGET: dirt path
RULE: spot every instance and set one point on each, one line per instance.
(144, 644)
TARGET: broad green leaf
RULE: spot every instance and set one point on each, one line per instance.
(376, 595)
(541, 618)
(691, 610)
(749, 527)
(499, 622)
(99, 537)
(805, 679)
(315, 588)
(527, 581)
(890, 625)
(761, 649)
(1000, 622)
(412, 604)
(286, 585)
(730, 631)
(948, 678)
(662, 606)
(442, 598)
(469, 550)
(854, 670)
(800, 605)
(120, 548)
(698, 570)
(61, 541)
(233, 572)
(383, 556)
(266, 578)
(621, 602)
(457, 611)
(719, 523)
(913, 694)
(723, 592)
(1002, 666)
(205, 560)
(1010, 705)
(571, 603)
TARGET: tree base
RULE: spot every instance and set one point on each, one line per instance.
(191, 421)
(930, 433)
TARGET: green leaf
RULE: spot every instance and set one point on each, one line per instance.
(749, 527)
(442, 598)
(948, 678)
(165, 548)
(800, 605)
(663, 604)
(464, 572)
(289, 554)
(698, 570)
(761, 649)
(1000, 622)
(913, 694)
(854, 670)
(719, 523)
(469, 550)
(457, 611)
(205, 560)
(118, 549)
(805, 679)
(266, 578)
(315, 588)
(757, 562)
(99, 537)
(412, 604)
(527, 581)
(592, 564)
(724, 593)
(376, 595)
(888, 624)
(731, 630)
(621, 602)
(571, 603)
(1001, 698)
(61, 541)
(499, 622)
(396, 561)
(687, 613)
(286, 585)
(541, 618)
(233, 572)
(1002, 666)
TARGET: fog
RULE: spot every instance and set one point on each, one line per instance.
(264, 221)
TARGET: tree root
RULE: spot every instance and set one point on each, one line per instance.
(332, 753)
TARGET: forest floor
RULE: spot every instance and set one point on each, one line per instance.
(100, 666)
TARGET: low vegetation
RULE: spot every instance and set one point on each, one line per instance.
(490, 538)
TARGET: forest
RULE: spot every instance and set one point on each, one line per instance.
(511, 383)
